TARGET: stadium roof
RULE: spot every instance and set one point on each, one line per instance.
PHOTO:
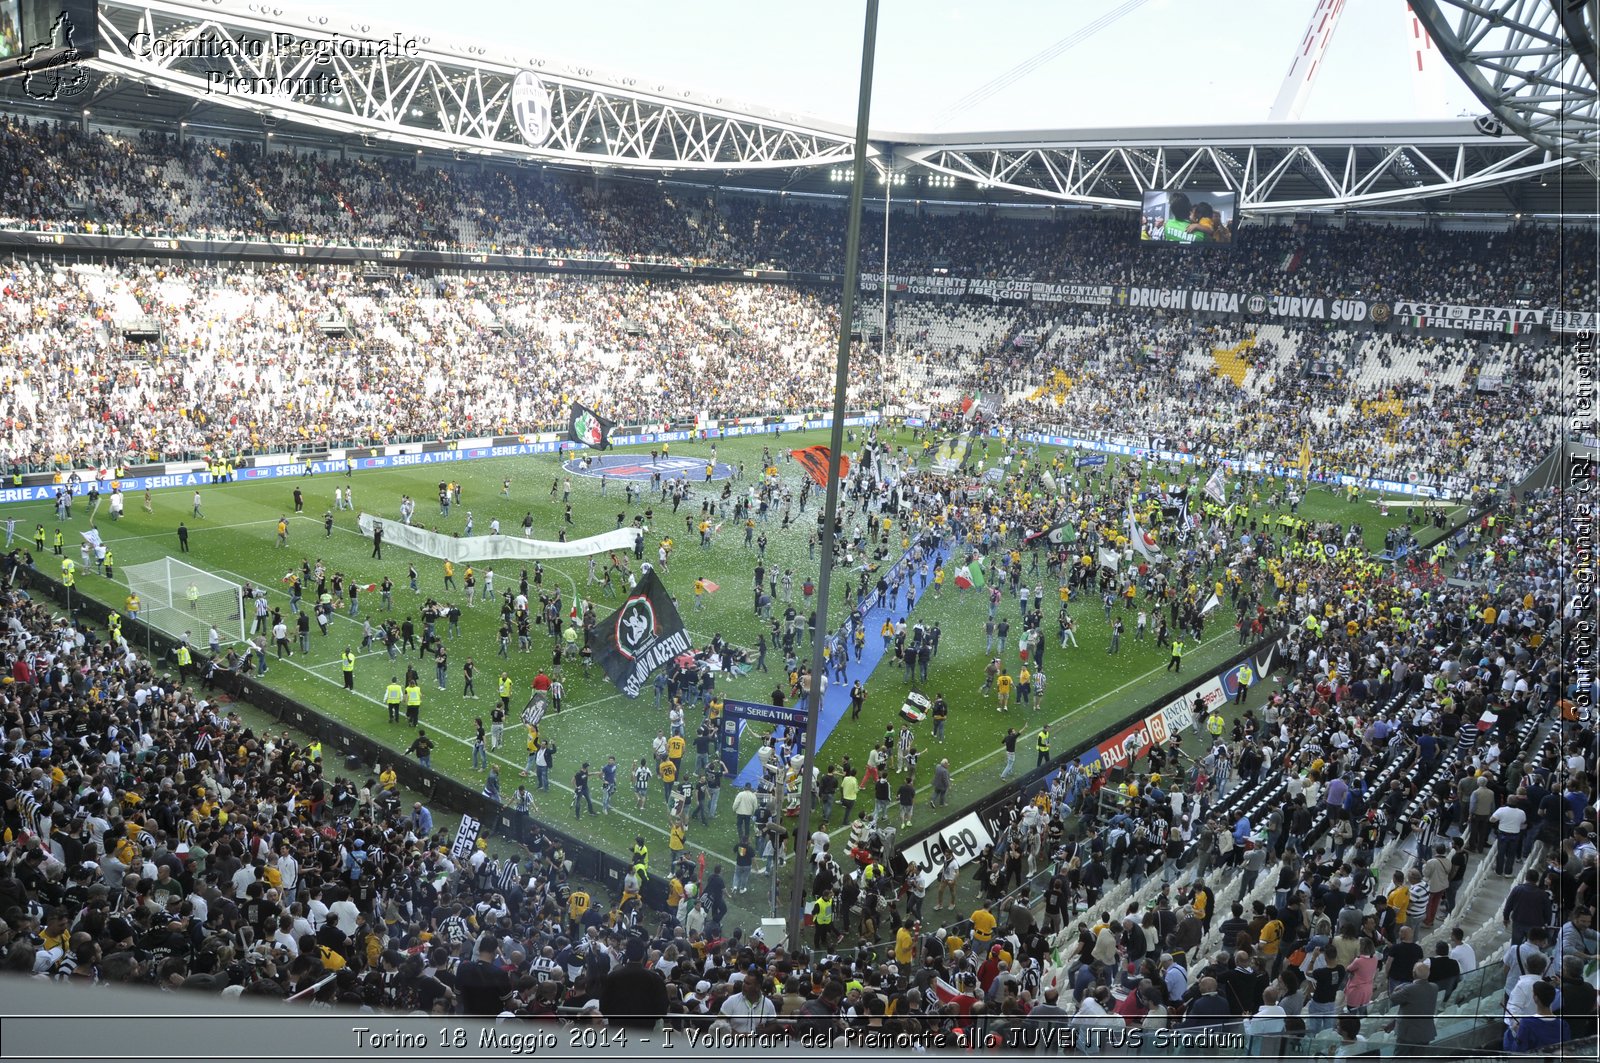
(464, 98)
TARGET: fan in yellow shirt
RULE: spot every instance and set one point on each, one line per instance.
(983, 924)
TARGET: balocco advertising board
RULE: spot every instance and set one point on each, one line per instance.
(1161, 726)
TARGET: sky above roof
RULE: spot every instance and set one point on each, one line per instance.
(1092, 63)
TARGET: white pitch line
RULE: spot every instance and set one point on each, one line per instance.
(173, 534)
(465, 742)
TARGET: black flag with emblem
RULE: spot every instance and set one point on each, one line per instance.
(641, 636)
(587, 427)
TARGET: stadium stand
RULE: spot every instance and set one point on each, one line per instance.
(150, 836)
(154, 185)
(265, 377)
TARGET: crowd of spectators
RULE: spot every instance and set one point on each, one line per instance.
(418, 358)
(249, 347)
(153, 837)
(160, 184)
(279, 357)
(1376, 406)
(1421, 720)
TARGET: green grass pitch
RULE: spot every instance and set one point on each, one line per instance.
(1087, 689)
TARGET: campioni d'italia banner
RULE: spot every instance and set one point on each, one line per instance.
(475, 548)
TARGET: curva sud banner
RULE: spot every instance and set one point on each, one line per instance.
(641, 636)
(1510, 320)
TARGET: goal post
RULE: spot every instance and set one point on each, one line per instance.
(177, 597)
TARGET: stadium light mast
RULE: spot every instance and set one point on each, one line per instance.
(847, 306)
(1307, 62)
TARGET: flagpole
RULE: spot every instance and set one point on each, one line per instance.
(847, 304)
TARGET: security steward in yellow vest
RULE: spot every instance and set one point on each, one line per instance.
(413, 703)
(349, 665)
(1042, 744)
(822, 920)
(1245, 678)
(393, 696)
(1176, 664)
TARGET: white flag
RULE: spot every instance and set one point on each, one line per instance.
(1211, 603)
(1216, 487)
(1109, 558)
(1142, 541)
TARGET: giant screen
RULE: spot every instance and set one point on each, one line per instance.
(1184, 216)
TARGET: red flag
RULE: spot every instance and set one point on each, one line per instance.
(815, 461)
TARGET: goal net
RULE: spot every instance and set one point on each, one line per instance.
(176, 598)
